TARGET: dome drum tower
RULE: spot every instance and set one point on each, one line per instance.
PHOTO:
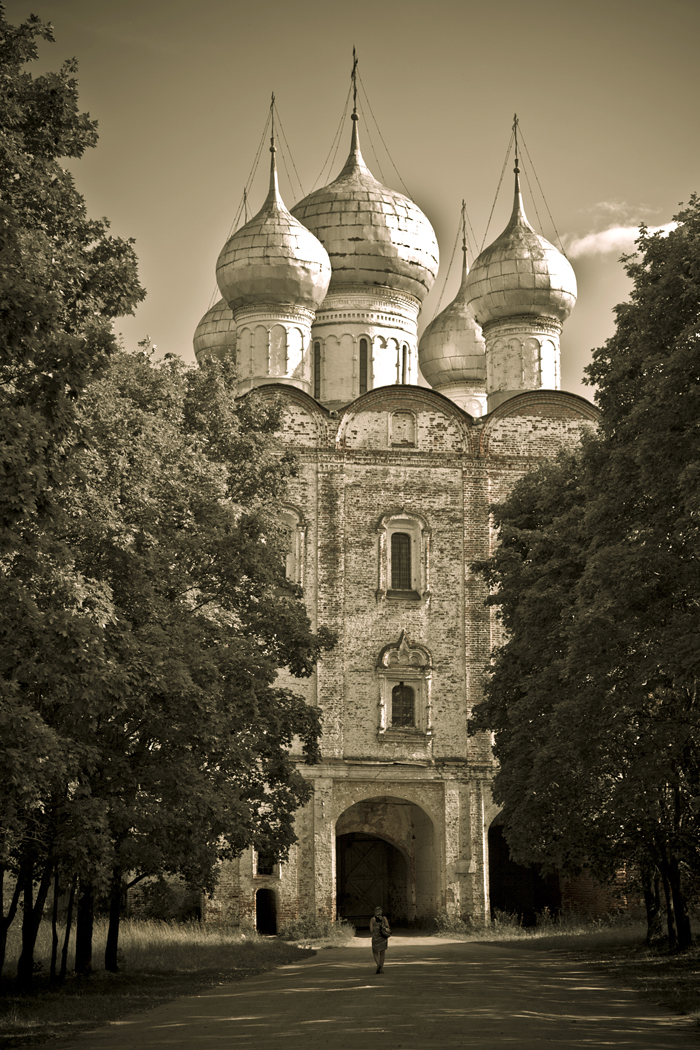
(365, 341)
(273, 345)
(521, 289)
(384, 257)
(522, 353)
(273, 273)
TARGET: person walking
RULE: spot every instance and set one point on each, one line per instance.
(379, 929)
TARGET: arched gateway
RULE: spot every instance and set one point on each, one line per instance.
(385, 855)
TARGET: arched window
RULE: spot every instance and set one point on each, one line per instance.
(404, 557)
(401, 575)
(404, 670)
(404, 364)
(296, 531)
(363, 366)
(403, 706)
(317, 371)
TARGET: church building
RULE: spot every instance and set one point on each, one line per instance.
(388, 512)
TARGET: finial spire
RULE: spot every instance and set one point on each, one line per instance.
(354, 84)
(518, 215)
(272, 119)
(464, 242)
(516, 169)
(355, 160)
(273, 192)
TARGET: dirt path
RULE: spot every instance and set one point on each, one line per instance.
(433, 994)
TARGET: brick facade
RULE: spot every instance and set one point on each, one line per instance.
(409, 807)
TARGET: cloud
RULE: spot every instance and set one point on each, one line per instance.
(623, 212)
(620, 239)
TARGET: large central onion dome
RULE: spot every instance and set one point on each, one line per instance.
(273, 259)
(521, 273)
(452, 348)
(373, 235)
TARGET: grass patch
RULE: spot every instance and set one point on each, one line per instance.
(615, 948)
(159, 962)
(671, 979)
(318, 932)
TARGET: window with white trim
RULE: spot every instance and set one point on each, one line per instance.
(294, 564)
(405, 671)
(404, 549)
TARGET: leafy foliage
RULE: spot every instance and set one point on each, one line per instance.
(145, 614)
(594, 696)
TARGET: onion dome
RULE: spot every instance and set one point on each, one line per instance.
(216, 332)
(452, 348)
(521, 273)
(273, 259)
(373, 235)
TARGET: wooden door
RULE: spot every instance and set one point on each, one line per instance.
(363, 866)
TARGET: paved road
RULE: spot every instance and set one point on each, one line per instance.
(433, 994)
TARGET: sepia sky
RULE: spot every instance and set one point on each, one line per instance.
(606, 92)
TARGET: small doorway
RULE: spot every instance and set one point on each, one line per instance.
(266, 912)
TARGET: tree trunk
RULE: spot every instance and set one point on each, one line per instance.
(66, 936)
(670, 917)
(7, 920)
(31, 918)
(651, 885)
(115, 909)
(54, 927)
(83, 931)
(680, 906)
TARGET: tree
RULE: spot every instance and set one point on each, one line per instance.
(169, 506)
(594, 694)
(63, 279)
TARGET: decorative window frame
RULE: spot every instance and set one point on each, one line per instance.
(411, 664)
(369, 364)
(296, 557)
(317, 355)
(417, 528)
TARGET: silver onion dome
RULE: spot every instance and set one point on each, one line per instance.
(521, 273)
(273, 259)
(215, 335)
(374, 236)
(452, 348)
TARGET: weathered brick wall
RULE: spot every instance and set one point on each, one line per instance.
(411, 451)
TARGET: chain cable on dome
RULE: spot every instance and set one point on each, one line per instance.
(371, 144)
(449, 270)
(243, 206)
(379, 132)
(472, 245)
(534, 171)
(288, 151)
(498, 188)
(516, 125)
(335, 144)
(355, 76)
(466, 247)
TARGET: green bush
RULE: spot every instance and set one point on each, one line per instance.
(317, 928)
(454, 924)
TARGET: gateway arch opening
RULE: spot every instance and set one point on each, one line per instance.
(385, 856)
